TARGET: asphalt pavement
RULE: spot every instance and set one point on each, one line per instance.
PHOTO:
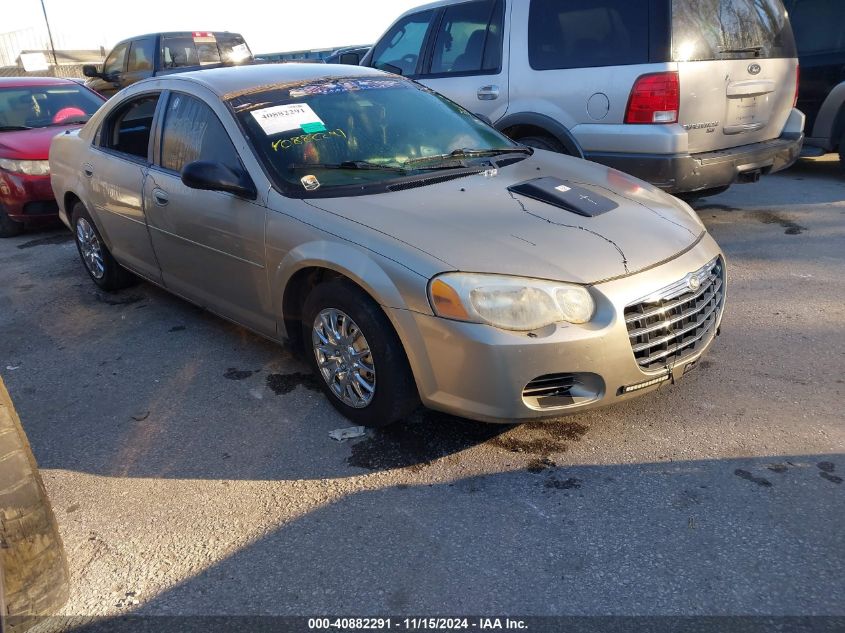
(191, 469)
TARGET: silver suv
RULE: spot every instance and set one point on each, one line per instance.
(690, 95)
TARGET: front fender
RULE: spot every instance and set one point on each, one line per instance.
(390, 284)
(829, 119)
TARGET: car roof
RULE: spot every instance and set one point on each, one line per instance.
(26, 82)
(175, 34)
(430, 5)
(235, 79)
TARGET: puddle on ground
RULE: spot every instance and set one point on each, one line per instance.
(429, 435)
(280, 384)
(118, 300)
(238, 374)
(47, 241)
(792, 228)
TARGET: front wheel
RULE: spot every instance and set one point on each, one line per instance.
(98, 260)
(842, 151)
(357, 355)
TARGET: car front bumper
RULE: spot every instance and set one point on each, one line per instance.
(687, 173)
(480, 372)
(27, 198)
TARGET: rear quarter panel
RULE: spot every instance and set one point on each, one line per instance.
(66, 151)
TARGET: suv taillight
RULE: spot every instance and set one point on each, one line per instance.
(797, 83)
(655, 98)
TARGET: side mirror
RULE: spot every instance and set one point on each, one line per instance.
(484, 117)
(211, 176)
(90, 70)
(350, 59)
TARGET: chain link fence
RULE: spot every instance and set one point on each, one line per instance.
(69, 71)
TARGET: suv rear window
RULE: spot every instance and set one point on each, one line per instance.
(730, 29)
(586, 33)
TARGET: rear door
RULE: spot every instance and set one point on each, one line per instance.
(737, 67)
(115, 170)
(467, 58)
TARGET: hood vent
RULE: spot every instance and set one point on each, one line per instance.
(565, 195)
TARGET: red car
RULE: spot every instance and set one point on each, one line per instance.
(32, 111)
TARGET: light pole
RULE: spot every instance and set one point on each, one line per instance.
(50, 33)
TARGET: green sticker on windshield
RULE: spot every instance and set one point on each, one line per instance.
(313, 128)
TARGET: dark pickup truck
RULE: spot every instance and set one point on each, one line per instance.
(155, 54)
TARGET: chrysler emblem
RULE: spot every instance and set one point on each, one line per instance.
(754, 69)
(693, 283)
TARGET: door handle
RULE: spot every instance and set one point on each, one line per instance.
(488, 93)
(88, 169)
(160, 197)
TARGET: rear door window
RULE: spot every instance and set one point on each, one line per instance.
(585, 34)
(193, 132)
(730, 29)
(197, 49)
(141, 55)
(128, 128)
(400, 49)
(469, 39)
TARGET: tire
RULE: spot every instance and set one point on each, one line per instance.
(8, 227)
(32, 557)
(548, 143)
(106, 273)
(394, 394)
(842, 151)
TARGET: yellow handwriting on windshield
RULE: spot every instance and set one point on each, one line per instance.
(287, 143)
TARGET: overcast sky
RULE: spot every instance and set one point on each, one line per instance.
(268, 26)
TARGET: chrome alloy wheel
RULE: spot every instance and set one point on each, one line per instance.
(89, 246)
(344, 358)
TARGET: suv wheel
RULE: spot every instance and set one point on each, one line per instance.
(548, 143)
(357, 356)
(32, 558)
(8, 227)
(99, 262)
(842, 151)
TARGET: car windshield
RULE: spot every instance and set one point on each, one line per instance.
(361, 131)
(42, 106)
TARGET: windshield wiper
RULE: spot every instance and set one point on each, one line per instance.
(747, 49)
(350, 164)
(470, 153)
(71, 122)
(11, 128)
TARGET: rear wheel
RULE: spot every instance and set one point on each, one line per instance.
(98, 260)
(8, 227)
(543, 141)
(357, 355)
(32, 558)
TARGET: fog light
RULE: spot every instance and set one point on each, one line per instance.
(647, 383)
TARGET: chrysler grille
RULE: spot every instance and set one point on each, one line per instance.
(678, 320)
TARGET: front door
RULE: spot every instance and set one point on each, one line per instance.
(113, 68)
(210, 244)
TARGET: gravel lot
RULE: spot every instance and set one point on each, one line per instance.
(191, 470)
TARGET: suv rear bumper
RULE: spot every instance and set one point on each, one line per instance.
(682, 173)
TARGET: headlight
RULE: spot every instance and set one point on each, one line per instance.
(510, 303)
(28, 167)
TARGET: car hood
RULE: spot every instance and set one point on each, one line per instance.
(476, 224)
(31, 144)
